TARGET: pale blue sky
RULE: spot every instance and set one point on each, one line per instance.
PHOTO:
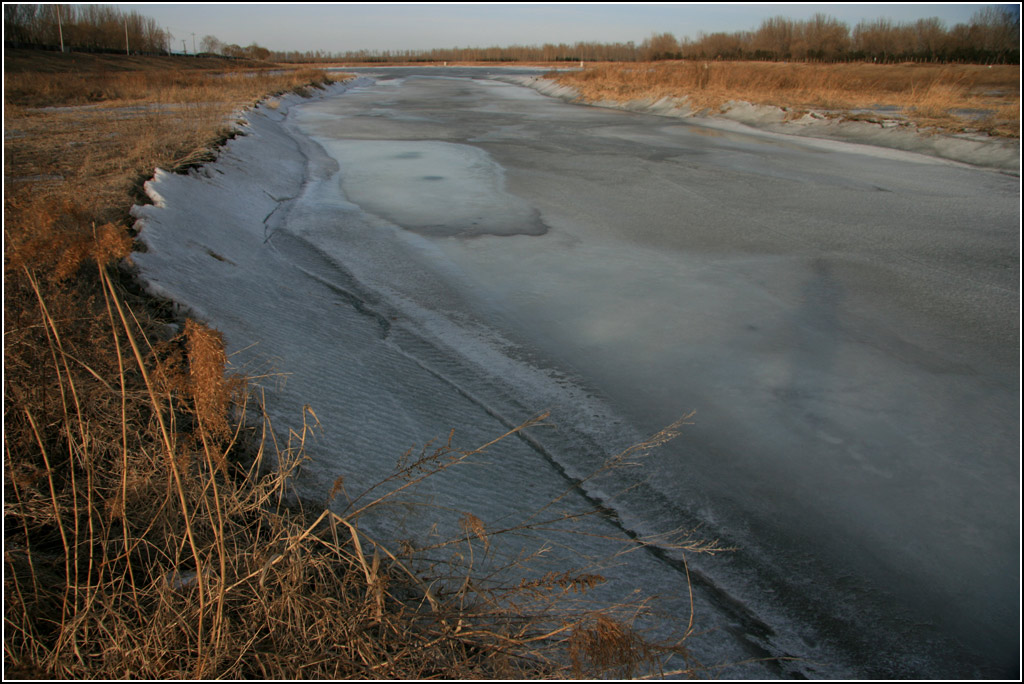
(381, 26)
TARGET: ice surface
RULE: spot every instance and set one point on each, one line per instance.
(433, 188)
(843, 319)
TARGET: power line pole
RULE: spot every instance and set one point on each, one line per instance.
(60, 29)
(193, 43)
(126, 52)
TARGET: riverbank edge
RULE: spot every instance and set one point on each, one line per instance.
(1000, 154)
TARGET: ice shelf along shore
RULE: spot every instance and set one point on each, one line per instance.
(424, 250)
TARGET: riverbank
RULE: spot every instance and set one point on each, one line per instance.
(944, 121)
(149, 533)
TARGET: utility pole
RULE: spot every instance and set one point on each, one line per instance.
(194, 44)
(60, 29)
(126, 52)
(184, 50)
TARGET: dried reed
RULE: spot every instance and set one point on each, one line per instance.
(152, 541)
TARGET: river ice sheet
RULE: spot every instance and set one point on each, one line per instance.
(421, 254)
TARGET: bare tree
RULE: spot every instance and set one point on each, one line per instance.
(929, 37)
(773, 39)
(660, 46)
(825, 37)
(878, 40)
(996, 31)
(211, 44)
(255, 51)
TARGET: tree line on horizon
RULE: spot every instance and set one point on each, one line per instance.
(104, 28)
(992, 36)
(98, 28)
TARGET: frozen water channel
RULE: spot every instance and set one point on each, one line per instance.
(420, 253)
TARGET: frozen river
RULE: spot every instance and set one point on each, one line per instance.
(420, 253)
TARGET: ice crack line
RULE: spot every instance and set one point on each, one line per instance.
(267, 233)
(355, 301)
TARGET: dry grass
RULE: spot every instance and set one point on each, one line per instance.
(147, 544)
(151, 538)
(71, 136)
(927, 95)
(148, 526)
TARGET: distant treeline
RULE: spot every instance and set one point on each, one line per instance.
(94, 28)
(991, 37)
(103, 28)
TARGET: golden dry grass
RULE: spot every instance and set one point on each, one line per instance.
(102, 133)
(149, 530)
(927, 95)
(151, 538)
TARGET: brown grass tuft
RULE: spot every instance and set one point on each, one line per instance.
(210, 390)
(608, 647)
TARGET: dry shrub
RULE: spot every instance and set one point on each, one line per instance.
(61, 238)
(210, 390)
(608, 646)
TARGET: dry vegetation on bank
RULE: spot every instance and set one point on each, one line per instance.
(954, 97)
(148, 533)
(91, 135)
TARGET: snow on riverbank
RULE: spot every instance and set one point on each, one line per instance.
(974, 149)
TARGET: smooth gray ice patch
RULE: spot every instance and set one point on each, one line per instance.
(382, 113)
(433, 188)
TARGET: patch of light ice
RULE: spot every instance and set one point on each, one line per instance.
(433, 188)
